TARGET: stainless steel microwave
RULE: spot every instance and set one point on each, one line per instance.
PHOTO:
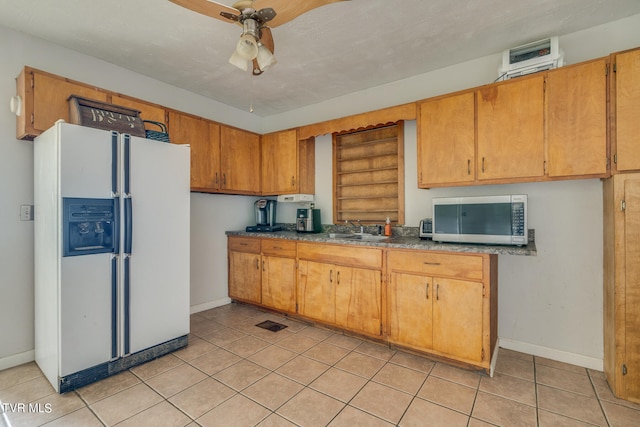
(498, 220)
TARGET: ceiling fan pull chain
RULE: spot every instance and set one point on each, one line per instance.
(251, 102)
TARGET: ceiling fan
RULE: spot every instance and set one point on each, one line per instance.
(256, 45)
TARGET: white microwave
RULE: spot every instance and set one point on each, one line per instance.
(500, 220)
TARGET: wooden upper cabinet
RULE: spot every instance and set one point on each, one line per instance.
(626, 110)
(288, 165)
(203, 137)
(239, 161)
(44, 97)
(446, 140)
(147, 110)
(511, 129)
(577, 120)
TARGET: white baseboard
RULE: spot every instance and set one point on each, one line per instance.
(553, 354)
(209, 305)
(17, 359)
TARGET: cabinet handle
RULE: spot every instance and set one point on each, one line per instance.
(427, 291)
(216, 178)
(293, 181)
(431, 263)
(224, 179)
(469, 167)
(438, 292)
(483, 165)
(263, 269)
(338, 277)
(330, 276)
(257, 264)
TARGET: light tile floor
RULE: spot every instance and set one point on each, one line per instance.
(236, 374)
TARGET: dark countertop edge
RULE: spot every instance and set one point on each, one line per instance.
(396, 243)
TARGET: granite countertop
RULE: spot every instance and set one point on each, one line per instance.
(397, 242)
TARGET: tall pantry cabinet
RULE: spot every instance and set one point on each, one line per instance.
(622, 232)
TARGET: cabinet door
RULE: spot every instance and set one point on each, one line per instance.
(203, 137)
(446, 140)
(632, 289)
(280, 163)
(239, 161)
(245, 276)
(316, 291)
(279, 283)
(577, 120)
(50, 95)
(511, 129)
(457, 318)
(147, 111)
(358, 300)
(410, 310)
(627, 110)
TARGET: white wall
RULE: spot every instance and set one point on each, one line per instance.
(550, 304)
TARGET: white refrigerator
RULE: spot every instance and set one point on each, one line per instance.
(111, 227)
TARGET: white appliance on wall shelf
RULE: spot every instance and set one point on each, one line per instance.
(111, 229)
(531, 58)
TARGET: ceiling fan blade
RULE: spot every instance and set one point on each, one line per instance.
(267, 39)
(208, 8)
(287, 10)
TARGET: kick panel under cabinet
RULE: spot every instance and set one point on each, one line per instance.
(439, 303)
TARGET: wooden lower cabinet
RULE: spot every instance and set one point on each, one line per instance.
(279, 283)
(343, 296)
(411, 310)
(445, 304)
(440, 303)
(263, 271)
(244, 280)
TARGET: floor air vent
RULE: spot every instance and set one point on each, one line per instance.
(272, 326)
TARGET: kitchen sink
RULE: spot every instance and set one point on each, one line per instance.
(358, 236)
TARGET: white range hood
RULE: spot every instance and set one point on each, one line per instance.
(295, 198)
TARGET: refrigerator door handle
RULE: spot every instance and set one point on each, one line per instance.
(127, 164)
(116, 226)
(114, 164)
(127, 302)
(114, 306)
(128, 225)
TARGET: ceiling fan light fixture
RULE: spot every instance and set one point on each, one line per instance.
(237, 60)
(247, 47)
(265, 58)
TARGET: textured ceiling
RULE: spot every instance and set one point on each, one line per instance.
(331, 51)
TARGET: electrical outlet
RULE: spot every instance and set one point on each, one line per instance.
(26, 212)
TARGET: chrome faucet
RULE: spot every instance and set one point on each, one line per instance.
(346, 221)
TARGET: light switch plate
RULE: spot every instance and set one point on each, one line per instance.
(26, 212)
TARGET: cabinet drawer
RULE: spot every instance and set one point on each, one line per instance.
(436, 264)
(342, 255)
(244, 244)
(279, 247)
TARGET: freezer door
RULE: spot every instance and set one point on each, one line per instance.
(87, 312)
(156, 271)
(88, 161)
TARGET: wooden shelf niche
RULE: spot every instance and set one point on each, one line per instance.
(368, 175)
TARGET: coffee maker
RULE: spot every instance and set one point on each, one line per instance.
(265, 211)
(308, 220)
